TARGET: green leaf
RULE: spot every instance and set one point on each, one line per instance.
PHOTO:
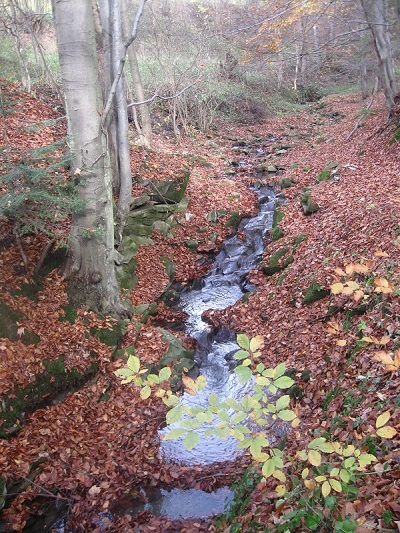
(224, 416)
(256, 343)
(174, 415)
(312, 521)
(238, 417)
(263, 381)
(279, 370)
(349, 462)
(268, 373)
(222, 433)
(366, 458)
(145, 392)
(268, 468)
(243, 341)
(316, 444)
(174, 434)
(244, 373)
(287, 415)
(260, 368)
(133, 363)
(190, 423)
(207, 416)
(164, 374)
(284, 382)
(213, 399)
(344, 475)
(191, 440)
(153, 379)
(124, 372)
(241, 354)
(282, 402)
(336, 485)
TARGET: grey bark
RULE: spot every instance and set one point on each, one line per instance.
(91, 256)
(145, 131)
(125, 175)
(376, 16)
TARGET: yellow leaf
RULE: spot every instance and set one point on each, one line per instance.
(314, 457)
(336, 288)
(333, 328)
(280, 490)
(386, 432)
(382, 419)
(361, 269)
(384, 340)
(347, 291)
(358, 295)
(349, 269)
(310, 484)
(380, 253)
(256, 343)
(341, 342)
(326, 489)
(336, 485)
(391, 365)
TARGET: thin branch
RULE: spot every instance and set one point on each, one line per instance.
(121, 65)
(365, 110)
(43, 254)
(165, 97)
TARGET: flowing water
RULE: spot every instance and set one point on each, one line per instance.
(223, 286)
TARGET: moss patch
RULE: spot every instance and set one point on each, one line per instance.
(314, 293)
(9, 326)
(19, 402)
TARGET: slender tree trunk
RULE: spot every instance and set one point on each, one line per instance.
(125, 186)
(91, 256)
(375, 12)
(25, 76)
(145, 132)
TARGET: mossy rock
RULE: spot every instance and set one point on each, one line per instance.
(298, 240)
(9, 326)
(192, 244)
(176, 352)
(325, 175)
(285, 183)
(276, 233)
(170, 191)
(276, 264)
(278, 217)
(16, 404)
(126, 274)
(234, 220)
(309, 206)
(314, 293)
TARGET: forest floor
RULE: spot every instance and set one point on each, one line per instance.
(96, 448)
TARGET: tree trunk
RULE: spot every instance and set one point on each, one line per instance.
(125, 175)
(146, 132)
(91, 256)
(375, 12)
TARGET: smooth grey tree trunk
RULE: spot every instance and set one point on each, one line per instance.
(123, 151)
(375, 12)
(91, 257)
(145, 132)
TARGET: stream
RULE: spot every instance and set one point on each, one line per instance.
(223, 286)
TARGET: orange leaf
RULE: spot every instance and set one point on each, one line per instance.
(380, 253)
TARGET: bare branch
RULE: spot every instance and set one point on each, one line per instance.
(164, 97)
(121, 65)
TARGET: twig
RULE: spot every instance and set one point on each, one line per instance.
(21, 250)
(155, 95)
(365, 110)
(220, 474)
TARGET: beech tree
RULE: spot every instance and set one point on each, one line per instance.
(90, 112)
